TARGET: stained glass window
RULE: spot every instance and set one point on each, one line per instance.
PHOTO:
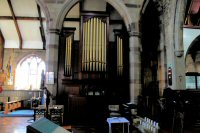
(29, 73)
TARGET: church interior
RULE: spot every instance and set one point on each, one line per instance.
(98, 66)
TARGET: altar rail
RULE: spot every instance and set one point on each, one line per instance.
(13, 105)
(17, 95)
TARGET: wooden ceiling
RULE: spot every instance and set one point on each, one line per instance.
(22, 24)
(192, 15)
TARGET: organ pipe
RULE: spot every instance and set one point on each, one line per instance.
(68, 53)
(94, 45)
(119, 56)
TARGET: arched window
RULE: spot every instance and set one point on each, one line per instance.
(29, 73)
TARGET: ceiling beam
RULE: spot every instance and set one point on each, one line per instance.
(21, 18)
(1, 37)
(2, 42)
(42, 28)
(72, 19)
(16, 24)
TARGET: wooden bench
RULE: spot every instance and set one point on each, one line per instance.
(12, 105)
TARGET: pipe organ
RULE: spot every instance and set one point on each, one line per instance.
(93, 63)
(68, 55)
(94, 44)
(119, 56)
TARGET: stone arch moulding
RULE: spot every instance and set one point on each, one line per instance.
(117, 4)
(45, 10)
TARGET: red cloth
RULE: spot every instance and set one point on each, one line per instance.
(1, 89)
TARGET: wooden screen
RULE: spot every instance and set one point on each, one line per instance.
(94, 44)
(68, 55)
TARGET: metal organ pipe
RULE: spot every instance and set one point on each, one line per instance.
(94, 45)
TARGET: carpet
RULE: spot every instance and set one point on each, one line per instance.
(18, 113)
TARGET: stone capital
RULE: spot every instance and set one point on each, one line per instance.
(179, 53)
(133, 30)
(53, 31)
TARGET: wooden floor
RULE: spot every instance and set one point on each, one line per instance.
(14, 124)
(18, 125)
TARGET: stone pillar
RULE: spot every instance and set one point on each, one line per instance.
(52, 59)
(180, 72)
(135, 65)
(178, 40)
(162, 64)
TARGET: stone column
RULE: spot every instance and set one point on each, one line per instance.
(52, 59)
(180, 72)
(178, 40)
(135, 64)
(162, 63)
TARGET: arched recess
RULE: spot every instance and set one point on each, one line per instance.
(117, 4)
(193, 51)
(150, 40)
(45, 10)
(192, 64)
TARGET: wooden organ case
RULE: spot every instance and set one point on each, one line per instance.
(93, 72)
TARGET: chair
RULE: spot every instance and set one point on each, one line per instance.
(35, 102)
(56, 115)
(126, 111)
(114, 110)
(39, 113)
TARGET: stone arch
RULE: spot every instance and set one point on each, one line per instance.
(159, 8)
(117, 4)
(45, 10)
(151, 82)
(145, 4)
(178, 21)
(194, 42)
(178, 27)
